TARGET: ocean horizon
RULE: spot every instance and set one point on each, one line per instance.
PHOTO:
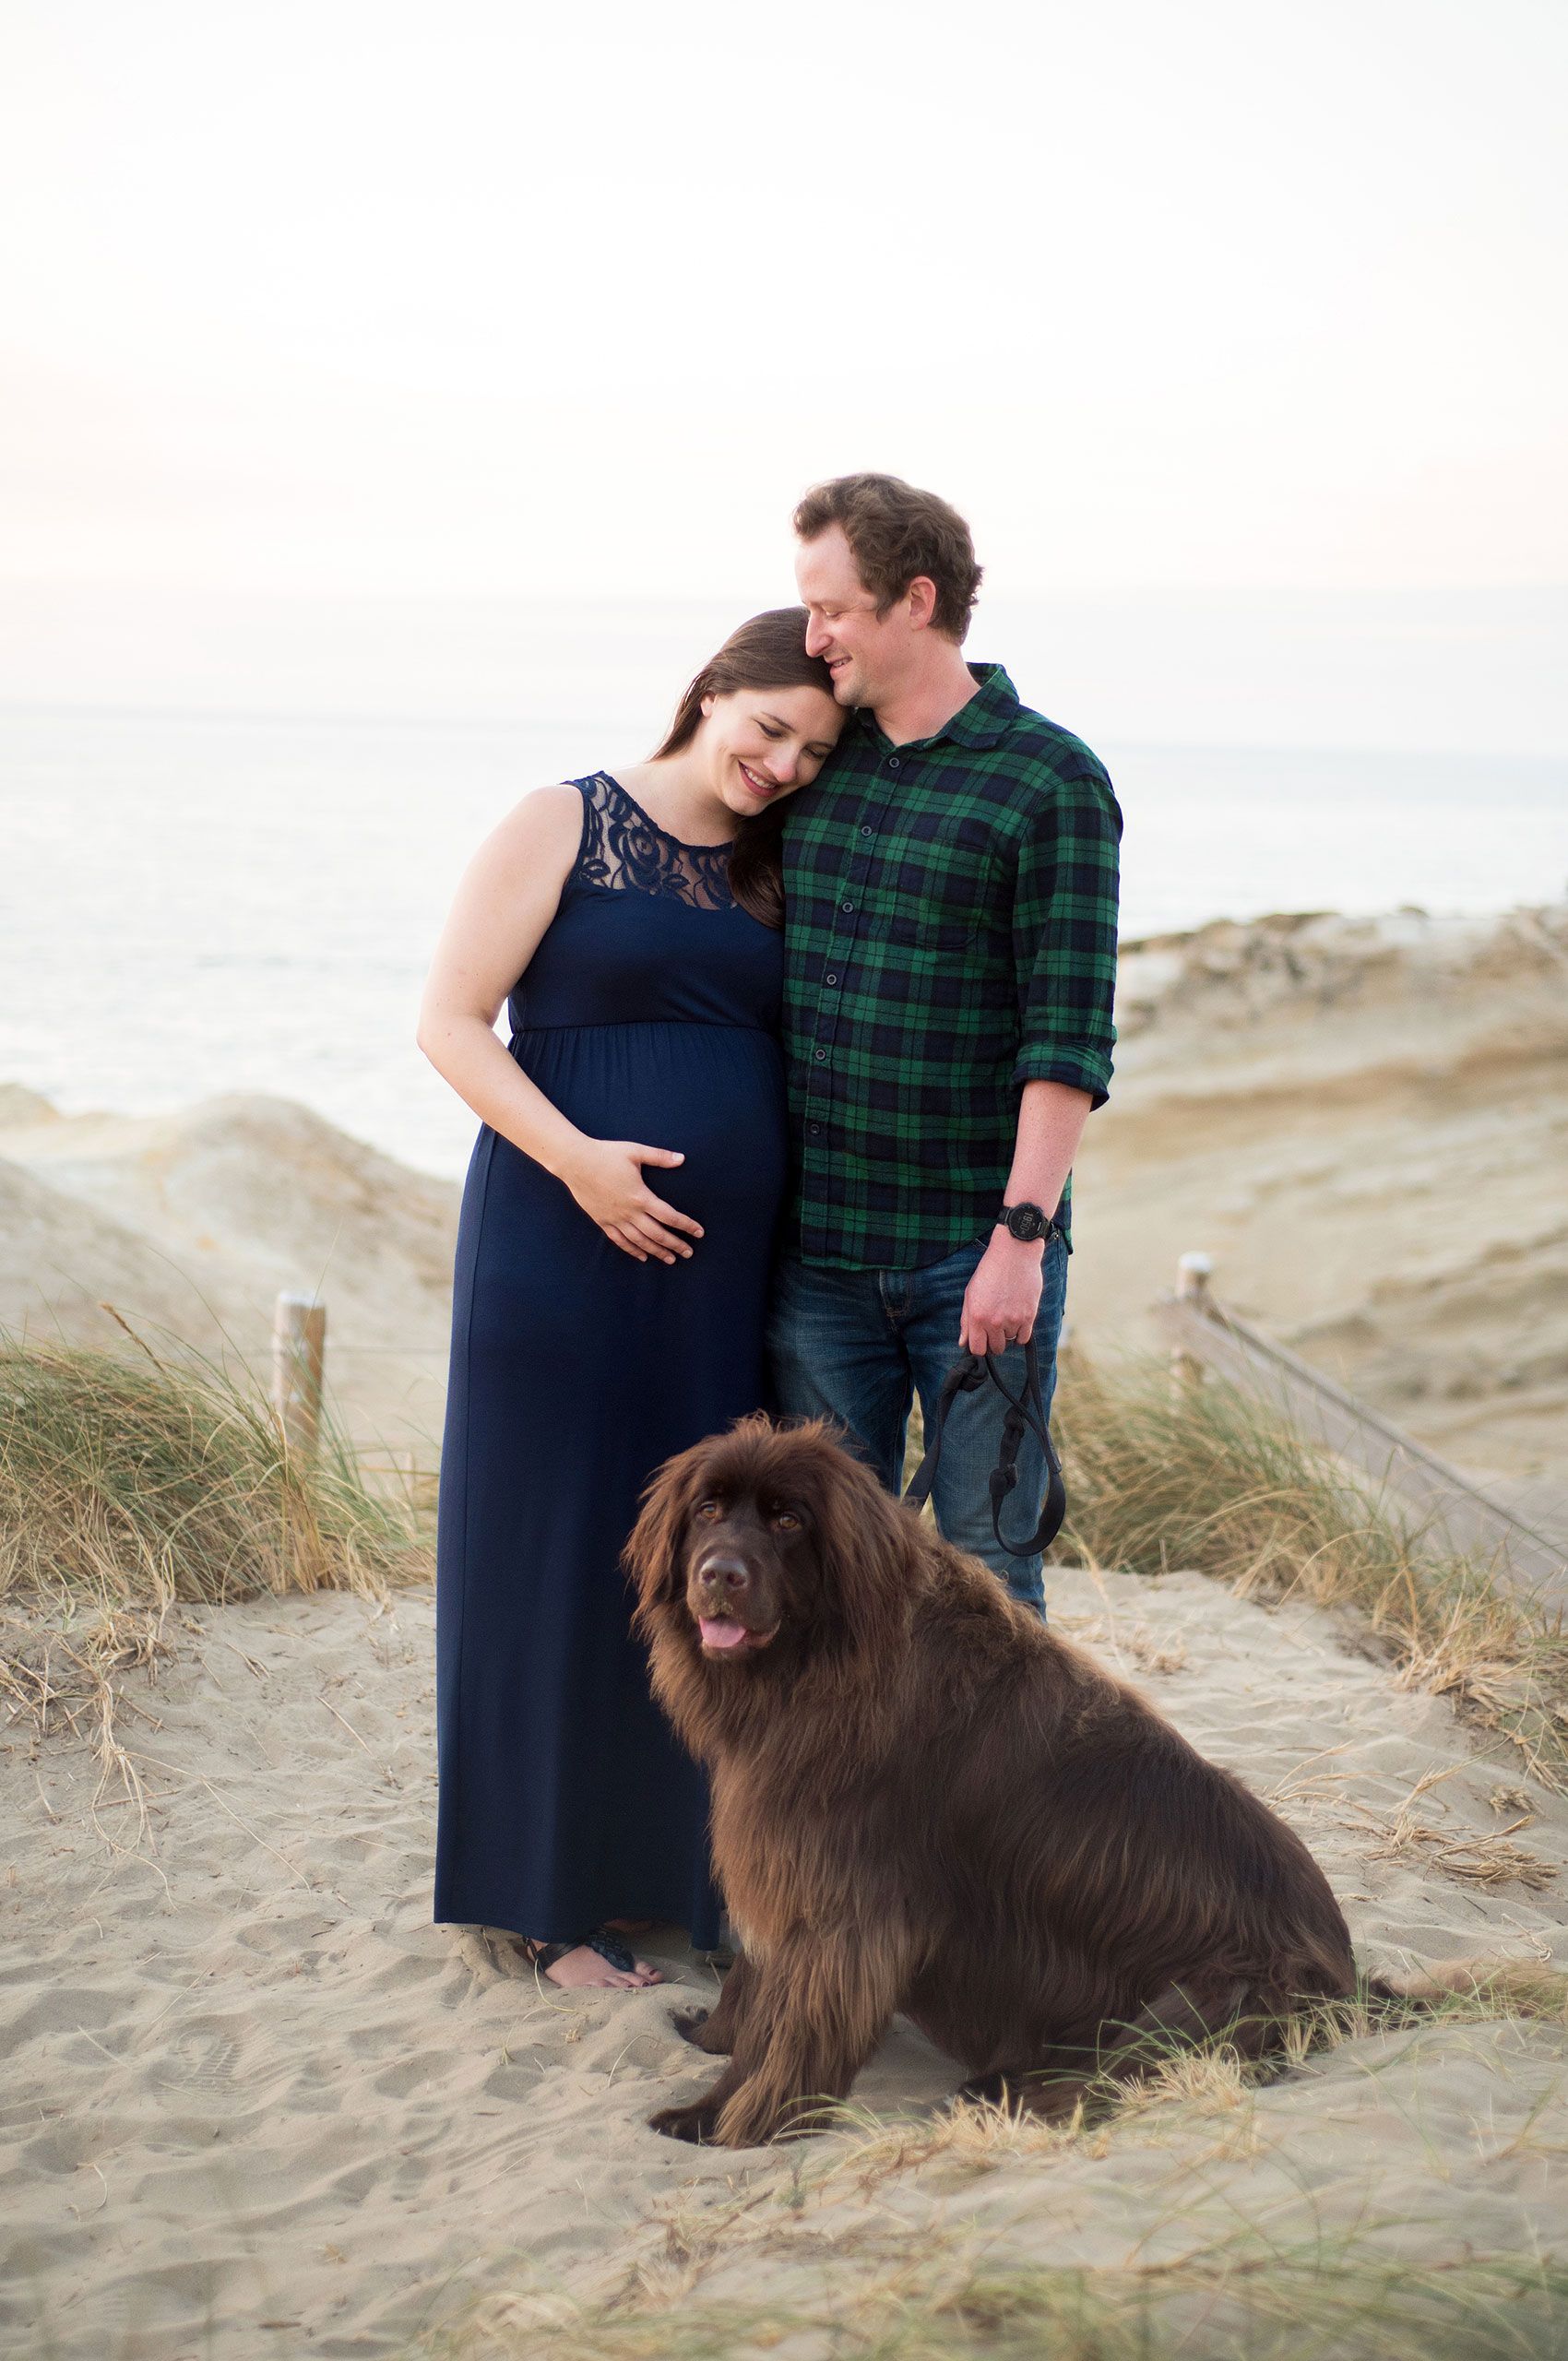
(202, 902)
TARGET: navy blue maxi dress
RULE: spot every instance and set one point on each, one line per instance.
(650, 1011)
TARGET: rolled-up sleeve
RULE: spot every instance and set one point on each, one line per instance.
(1065, 935)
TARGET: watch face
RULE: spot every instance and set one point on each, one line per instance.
(1026, 1221)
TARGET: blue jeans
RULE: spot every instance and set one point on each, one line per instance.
(857, 1346)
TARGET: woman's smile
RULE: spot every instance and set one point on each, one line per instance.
(763, 787)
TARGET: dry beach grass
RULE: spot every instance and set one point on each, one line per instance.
(258, 2104)
(1240, 2300)
(1209, 1478)
(132, 1484)
(851, 2281)
(144, 1477)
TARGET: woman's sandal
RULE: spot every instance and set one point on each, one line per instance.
(610, 1947)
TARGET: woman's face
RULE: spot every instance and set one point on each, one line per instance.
(761, 743)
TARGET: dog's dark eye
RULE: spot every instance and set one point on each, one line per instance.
(786, 1520)
(709, 1510)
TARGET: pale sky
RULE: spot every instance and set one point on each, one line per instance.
(334, 296)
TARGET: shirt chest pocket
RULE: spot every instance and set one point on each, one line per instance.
(936, 881)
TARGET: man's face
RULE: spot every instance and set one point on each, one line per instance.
(867, 653)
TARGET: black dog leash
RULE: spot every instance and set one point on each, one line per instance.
(1025, 1411)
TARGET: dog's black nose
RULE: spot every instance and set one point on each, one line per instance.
(734, 1572)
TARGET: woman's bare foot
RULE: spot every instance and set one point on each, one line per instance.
(584, 1969)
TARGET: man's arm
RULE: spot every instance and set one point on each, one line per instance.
(1064, 955)
(1003, 1297)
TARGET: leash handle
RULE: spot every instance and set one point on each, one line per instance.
(1025, 1412)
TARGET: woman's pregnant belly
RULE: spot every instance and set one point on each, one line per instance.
(714, 1093)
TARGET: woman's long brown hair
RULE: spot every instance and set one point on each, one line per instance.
(768, 652)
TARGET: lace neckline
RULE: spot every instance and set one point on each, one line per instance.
(725, 844)
(625, 850)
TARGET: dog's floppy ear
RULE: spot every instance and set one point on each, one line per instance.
(869, 1545)
(652, 1555)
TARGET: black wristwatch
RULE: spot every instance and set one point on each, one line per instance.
(1026, 1222)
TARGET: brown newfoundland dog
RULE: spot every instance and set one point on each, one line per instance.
(923, 1800)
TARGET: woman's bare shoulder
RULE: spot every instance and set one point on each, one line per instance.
(545, 812)
(517, 875)
(541, 833)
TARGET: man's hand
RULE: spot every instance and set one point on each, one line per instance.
(1003, 1297)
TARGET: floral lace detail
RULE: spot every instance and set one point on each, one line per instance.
(625, 852)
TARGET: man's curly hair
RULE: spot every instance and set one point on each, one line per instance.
(895, 532)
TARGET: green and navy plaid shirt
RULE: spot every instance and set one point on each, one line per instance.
(950, 935)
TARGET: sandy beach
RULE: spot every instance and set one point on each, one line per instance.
(256, 2103)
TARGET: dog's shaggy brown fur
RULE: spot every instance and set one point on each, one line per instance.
(923, 1800)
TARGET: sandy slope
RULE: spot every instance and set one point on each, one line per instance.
(1365, 1122)
(192, 1223)
(256, 2104)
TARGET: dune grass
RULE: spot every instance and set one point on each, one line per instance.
(140, 1480)
(132, 1484)
(1243, 2299)
(812, 2254)
(1210, 1478)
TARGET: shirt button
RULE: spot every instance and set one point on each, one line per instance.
(816, 1130)
(819, 1055)
(891, 762)
(847, 907)
(865, 831)
(831, 976)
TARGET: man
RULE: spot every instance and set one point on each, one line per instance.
(950, 965)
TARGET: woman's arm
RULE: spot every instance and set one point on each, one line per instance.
(508, 895)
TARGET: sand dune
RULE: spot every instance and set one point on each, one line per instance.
(1366, 1124)
(192, 1223)
(256, 2104)
(62, 1259)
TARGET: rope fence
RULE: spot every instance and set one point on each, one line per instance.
(1205, 1335)
(1529, 1553)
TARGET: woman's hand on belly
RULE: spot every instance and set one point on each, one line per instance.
(606, 1178)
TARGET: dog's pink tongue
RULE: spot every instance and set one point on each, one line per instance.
(721, 1632)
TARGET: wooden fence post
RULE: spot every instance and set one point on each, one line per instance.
(299, 1353)
(1194, 1272)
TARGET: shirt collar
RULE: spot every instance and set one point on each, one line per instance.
(982, 722)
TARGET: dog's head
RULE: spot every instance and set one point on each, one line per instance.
(768, 1544)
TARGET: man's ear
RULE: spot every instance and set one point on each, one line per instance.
(921, 596)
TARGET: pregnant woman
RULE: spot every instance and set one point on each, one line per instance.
(611, 1275)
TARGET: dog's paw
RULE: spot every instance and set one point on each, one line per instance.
(986, 2090)
(695, 2123)
(689, 2022)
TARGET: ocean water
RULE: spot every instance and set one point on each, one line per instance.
(198, 903)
